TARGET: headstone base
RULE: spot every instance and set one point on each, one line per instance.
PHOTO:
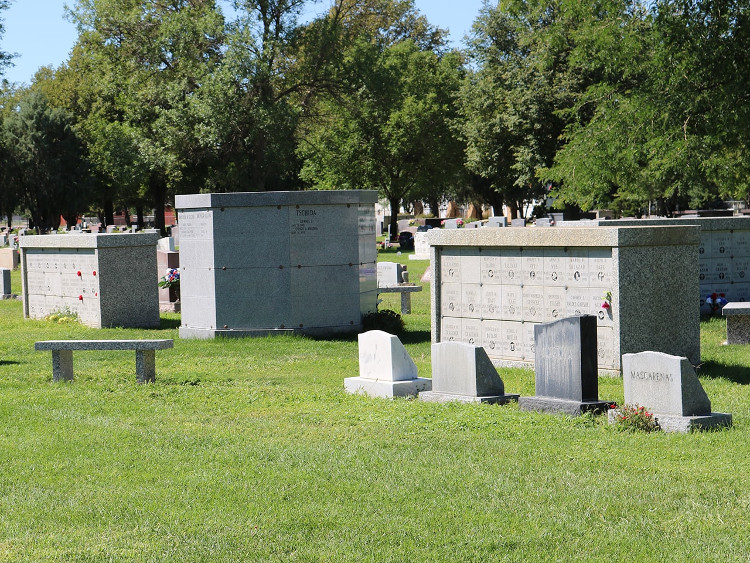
(561, 406)
(435, 397)
(169, 306)
(674, 423)
(389, 389)
(205, 333)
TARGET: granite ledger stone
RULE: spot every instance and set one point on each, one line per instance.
(668, 386)
(385, 368)
(463, 372)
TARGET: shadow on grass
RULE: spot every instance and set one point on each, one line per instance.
(9, 363)
(169, 323)
(715, 370)
(407, 337)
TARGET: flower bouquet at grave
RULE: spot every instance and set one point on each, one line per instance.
(716, 301)
(171, 279)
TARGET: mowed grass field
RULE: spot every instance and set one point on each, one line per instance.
(249, 450)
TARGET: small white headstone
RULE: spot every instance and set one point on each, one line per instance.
(385, 368)
(166, 243)
(389, 274)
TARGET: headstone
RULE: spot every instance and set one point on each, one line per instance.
(421, 247)
(3, 240)
(168, 296)
(111, 229)
(389, 274)
(166, 244)
(566, 371)
(385, 368)
(427, 276)
(175, 234)
(542, 222)
(518, 222)
(463, 372)
(738, 322)
(451, 224)
(497, 222)
(8, 258)
(151, 231)
(5, 283)
(668, 386)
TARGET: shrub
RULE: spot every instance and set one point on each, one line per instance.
(386, 320)
(632, 418)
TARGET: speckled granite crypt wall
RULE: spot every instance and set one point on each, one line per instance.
(107, 279)
(491, 286)
(256, 263)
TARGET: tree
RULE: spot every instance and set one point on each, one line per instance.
(149, 58)
(512, 102)
(47, 169)
(392, 130)
(5, 58)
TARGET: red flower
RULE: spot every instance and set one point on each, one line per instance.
(605, 305)
(78, 273)
(94, 272)
(80, 298)
(714, 296)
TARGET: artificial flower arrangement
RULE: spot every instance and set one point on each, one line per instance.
(171, 279)
(607, 301)
(716, 301)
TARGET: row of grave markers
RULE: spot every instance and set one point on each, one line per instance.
(566, 376)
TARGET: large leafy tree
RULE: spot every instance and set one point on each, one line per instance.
(512, 102)
(46, 166)
(392, 130)
(147, 60)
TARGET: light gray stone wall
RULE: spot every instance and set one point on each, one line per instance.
(107, 279)
(254, 263)
(491, 286)
(723, 252)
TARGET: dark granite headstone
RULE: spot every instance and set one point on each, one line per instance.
(566, 367)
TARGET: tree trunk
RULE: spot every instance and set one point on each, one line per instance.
(513, 207)
(109, 213)
(128, 220)
(418, 208)
(434, 205)
(159, 193)
(140, 216)
(71, 219)
(395, 203)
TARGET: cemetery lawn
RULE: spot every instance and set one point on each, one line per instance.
(249, 450)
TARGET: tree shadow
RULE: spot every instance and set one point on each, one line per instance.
(734, 373)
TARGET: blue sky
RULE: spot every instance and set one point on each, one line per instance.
(38, 32)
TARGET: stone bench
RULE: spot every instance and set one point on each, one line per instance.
(145, 354)
(738, 322)
(405, 291)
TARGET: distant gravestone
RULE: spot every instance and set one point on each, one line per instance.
(3, 240)
(518, 222)
(166, 244)
(566, 366)
(542, 222)
(385, 368)
(5, 283)
(451, 224)
(463, 372)
(497, 222)
(111, 229)
(421, 247)
(389, 274)
(668, 386)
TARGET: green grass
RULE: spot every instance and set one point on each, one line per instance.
(249, 450)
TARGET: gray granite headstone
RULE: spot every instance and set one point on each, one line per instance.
(3, 240)
(463, 372)
(565, 362)
(542, 222)
(451, 224)
(497, 222)
(389, 274)
(518, 222)
(4, 283)
(668, 386)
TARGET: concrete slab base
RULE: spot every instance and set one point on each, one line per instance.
(674, 423)
(388, 389)
(561, 406)
(435, 397)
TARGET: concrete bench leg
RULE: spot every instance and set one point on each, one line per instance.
(145, 365)
(62, 365)
(405, 303)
